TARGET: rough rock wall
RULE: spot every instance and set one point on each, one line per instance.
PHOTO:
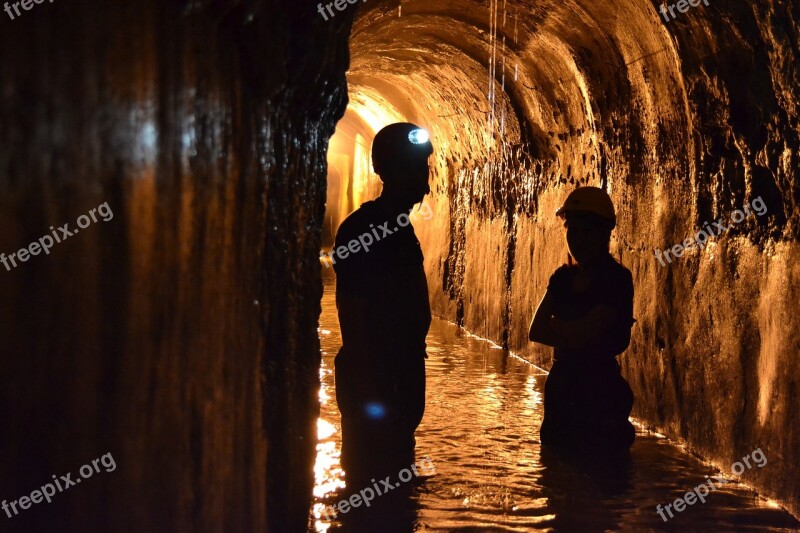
(179, 335)
(683, 121)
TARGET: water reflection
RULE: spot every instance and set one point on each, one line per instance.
(481, 431)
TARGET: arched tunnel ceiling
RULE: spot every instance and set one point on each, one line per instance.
(556, 67)
(576, 85)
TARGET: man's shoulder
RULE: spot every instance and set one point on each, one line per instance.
(564, 271)
(619, 275)
(358, 221)
(562, 276)
(619, 269)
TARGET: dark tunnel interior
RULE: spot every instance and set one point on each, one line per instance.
(229, 139)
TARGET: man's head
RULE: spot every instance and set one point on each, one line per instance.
(400, 154)
(589, 217)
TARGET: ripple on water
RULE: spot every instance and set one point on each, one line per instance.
(481, 431)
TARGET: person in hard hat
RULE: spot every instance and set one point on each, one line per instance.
(384, 311)
(586, 315)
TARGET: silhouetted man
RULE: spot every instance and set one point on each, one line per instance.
(384, 313)
(586, 315)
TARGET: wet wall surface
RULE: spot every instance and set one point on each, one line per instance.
(180, 334)
(685, 121)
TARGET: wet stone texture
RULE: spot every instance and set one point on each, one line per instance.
(684, 122)
(180, 335)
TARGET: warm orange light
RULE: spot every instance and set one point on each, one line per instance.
(351, 180)
(375, 110)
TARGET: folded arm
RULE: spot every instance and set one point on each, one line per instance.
(599, 329)
(569, 334)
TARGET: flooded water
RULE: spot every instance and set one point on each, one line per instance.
(481, 434)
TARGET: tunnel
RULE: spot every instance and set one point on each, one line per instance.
(200, 155)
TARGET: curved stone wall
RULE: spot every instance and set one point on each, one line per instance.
(683, 121)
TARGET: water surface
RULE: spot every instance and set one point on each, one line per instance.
(481, 433)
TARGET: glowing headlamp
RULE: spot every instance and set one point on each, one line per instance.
(418, 136)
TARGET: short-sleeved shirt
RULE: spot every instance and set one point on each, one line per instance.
(612, 285)
(389, 275)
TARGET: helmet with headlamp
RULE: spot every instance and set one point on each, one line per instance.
(400, 141)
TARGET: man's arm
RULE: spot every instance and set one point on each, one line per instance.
(568, 334)
(426, 318)
(550, 331)
(615, 336)
(542, 329)
(545, 328)
(353, 322)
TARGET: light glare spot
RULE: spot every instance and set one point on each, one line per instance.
(418, 136)
(375, 410)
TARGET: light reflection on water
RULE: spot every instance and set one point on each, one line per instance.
(481, 431)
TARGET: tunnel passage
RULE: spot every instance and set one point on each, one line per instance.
(682, 121)
(182, 335)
